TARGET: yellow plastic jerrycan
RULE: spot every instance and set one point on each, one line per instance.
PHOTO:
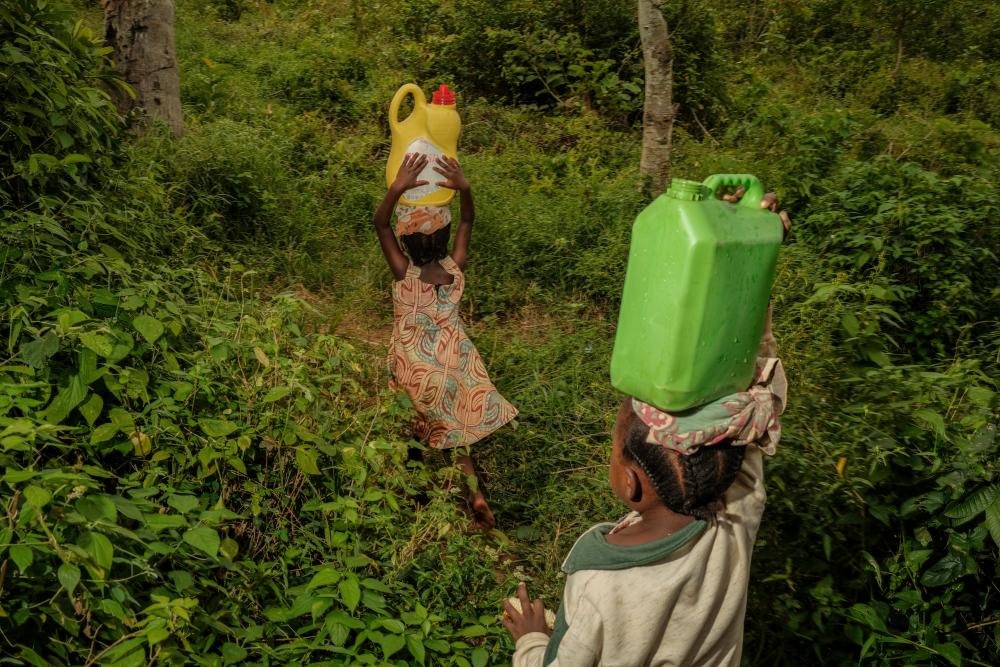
(431, 129)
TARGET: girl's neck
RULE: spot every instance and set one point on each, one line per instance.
(655, 523)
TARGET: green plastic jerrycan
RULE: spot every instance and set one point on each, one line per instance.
(699, 277)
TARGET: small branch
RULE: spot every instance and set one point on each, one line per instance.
(984, 624)
(703, 128)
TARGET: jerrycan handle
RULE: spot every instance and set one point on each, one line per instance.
(754, 190)
(419, 100)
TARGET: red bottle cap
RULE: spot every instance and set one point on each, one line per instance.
(442, 95)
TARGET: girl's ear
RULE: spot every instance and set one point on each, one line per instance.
(634, 486)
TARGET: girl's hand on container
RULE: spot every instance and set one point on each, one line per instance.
(529, 618)
(409, 170)
(454, 178)
(769, 201)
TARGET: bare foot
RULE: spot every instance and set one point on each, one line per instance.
(482, 515)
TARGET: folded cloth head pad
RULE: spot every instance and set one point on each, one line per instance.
(747, 417)
(422, 219)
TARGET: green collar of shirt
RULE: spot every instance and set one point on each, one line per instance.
(593, 551)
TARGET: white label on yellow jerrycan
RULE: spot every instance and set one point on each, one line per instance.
(428, 174)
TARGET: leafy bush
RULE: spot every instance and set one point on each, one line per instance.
(924, 241)
(190, 476)
(58, 122)
(577, 55)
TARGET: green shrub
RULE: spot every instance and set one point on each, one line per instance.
(58, 124)
(927, 242)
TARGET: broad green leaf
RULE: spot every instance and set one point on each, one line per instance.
(18, 476)
(68, 398)
(472, 631)
(91, 408)
(880, 358)
(416, 648)
(97, 508)
(850, 324)
(99, 548)
(951, 652)
(204, 539)
(305, 459)
(103, 433)
(993, 521)
(98, 343)
(943, 572)
(326, 576)
(337, 632)
(122, 419)
(158, 522)
(375, 585)
(22, 556)
(156, 633)
(229, 548)
(182, 580)
(394, 626)
(32, 658)
(974, 503)
(233, 654)
(868, 617)
(37, 496)
(122, 344)
(217, 428)
(479, 657)
(438, 645)
(88, 370)
(69, 576)
(342, 617)
(130, 653)
(149, 327)
(350, 592)
(391, 644)
(182, 503)
(933, 419)
(37, 352)
(276, 394)
(126, 508)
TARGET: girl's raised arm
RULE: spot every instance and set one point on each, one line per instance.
(406, 178)
(455, 179)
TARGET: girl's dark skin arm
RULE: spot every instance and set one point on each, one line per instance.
(406, 178)
(455, 179)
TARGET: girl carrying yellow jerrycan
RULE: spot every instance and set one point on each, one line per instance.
(431, 130)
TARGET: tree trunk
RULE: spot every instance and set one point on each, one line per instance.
(141, 32)
(658, 110)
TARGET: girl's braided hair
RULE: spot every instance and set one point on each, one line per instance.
(691, 484)
(427, 248)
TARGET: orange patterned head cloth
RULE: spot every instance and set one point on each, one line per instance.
(423, 219)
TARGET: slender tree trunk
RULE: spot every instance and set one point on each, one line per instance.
(900, 28)
(141, 32)
(658, 109)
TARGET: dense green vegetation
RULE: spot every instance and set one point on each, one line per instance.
(201, 463)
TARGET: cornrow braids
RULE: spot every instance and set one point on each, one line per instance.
(690, 484)
(427, 248)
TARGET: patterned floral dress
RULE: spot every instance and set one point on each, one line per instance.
(433, 360)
